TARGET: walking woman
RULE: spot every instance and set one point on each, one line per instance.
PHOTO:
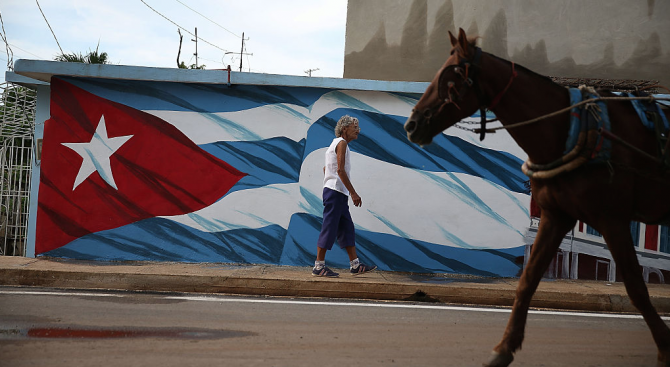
(337, 189)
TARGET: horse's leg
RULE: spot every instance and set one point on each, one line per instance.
(553, 227)
(618, 238)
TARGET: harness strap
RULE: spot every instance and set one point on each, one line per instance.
(480, 95)
(497, 99)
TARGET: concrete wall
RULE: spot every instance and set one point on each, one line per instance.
(609, 39)
(190, 168)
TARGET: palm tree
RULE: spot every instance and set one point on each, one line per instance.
(93, 57)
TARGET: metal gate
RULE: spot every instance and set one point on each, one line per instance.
(17, 123)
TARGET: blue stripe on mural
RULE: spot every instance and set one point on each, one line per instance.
(266, 162)
(208, 98)
(445, 154)
(399, 254)
(160, 239)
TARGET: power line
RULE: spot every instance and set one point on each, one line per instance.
(218, 62)
(52, 31)
(184, 29)
(224, 28)
(28, 52)
(10, 53)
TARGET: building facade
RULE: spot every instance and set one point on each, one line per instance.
(583, 253)
(605, 39)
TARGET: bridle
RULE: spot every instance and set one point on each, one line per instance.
(450, 92)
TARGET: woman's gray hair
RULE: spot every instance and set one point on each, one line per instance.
(344, 121)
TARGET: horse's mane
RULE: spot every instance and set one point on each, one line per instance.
(472, 42)
(519, 66)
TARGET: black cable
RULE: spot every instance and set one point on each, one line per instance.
(52, 31)
(10, 53)
(209, 19)
(185, 30)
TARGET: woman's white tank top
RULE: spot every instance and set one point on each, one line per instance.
(332, 179)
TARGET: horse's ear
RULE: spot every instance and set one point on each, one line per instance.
(454, 40)
(463, 42)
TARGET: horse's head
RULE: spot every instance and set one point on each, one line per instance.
(451, 96)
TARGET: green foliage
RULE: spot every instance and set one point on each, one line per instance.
(183, 66)
(92, 57)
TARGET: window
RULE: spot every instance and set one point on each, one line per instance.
(590, 230)
(635, 232)
(664, 246)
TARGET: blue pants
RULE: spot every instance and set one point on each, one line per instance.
(337, 221)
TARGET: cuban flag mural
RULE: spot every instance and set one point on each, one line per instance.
(166, 171)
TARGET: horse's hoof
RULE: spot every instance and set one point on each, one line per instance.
(499, 360)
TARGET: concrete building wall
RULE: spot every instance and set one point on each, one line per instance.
(608, 39)
(152, 164)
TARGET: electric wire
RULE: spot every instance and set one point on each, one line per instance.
(218, 62)
(222, 27)
(10, 53)
(184, 29)
(28, 52)
(52, 31)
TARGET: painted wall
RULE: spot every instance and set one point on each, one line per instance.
(609, 39)
(205, 172)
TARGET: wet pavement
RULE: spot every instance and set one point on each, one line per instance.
(271, 280)
(114, 333)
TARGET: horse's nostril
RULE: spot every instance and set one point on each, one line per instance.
(410, 126)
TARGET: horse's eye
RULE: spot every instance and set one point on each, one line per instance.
(457, 70)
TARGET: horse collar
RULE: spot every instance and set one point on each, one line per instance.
(480, 95)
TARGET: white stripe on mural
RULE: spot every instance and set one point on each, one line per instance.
(252, 208)
(472, 212)
(456, 209)
(278, 120)
(292, 121)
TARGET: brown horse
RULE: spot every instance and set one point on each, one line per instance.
(607, 196)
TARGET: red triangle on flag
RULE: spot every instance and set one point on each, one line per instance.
(105, 165)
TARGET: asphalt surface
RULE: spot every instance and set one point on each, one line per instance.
(288, 281)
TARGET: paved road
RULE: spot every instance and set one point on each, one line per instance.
(49, 327)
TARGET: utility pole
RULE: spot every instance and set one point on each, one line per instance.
(309, 71)
(241, 51)
(196, 47)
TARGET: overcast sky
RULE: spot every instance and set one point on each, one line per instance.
(284, 36)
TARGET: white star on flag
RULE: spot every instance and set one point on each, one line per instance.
(96, 154)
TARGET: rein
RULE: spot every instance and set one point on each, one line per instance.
(570, 161)
(531, 121)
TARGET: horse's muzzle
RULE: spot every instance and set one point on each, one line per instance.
(415, 126)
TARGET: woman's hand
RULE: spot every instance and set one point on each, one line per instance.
(357, 199)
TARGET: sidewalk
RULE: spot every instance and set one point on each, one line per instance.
(298, 282)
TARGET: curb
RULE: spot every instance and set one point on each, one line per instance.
(489, 294)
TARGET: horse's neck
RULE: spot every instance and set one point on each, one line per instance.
(528, 97)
